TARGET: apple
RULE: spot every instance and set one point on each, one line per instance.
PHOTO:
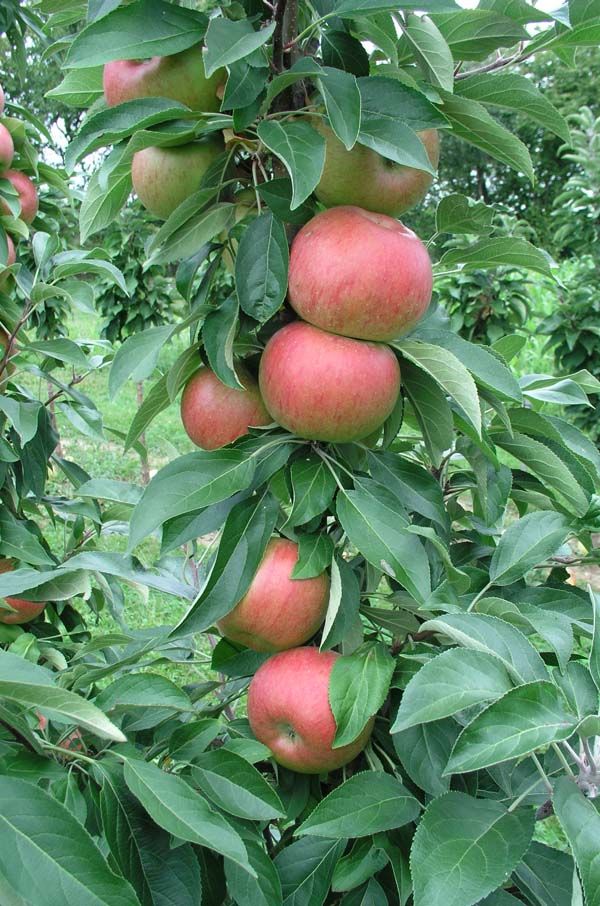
(164, 177)
(325, 387)
(289, 711)
(179, 77)
(7, 148)
(10, 260)
(24, 610)
(277, 611)
(27, 195)
(363, 177)
(359, 274)
(214, 415)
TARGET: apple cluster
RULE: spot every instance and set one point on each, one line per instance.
(22, 611)
(357, 278)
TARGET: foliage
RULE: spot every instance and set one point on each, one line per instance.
(447, 542)
(577, 208)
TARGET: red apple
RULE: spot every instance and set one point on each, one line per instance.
(10, 260)
(24, 610)
(27, 195)
(7, 148)
(359, 274)
(214, 415)
(164, 177)
(289, 711)
(277, 611)
(325, 387)
(179, 77)
(363, 177)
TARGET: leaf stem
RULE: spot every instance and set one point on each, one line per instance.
(479, 596)
(542, 772)
(563, 760)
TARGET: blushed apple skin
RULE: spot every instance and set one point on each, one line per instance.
(363, 177)
(24, 610)
(325, 387)
(7, 148)
(278, 612)
(289, 711)
(164, 177)
(359, 274)
(179, 77)
(214, 415)
(27, 195)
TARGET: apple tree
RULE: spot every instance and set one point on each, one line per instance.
(380, 515)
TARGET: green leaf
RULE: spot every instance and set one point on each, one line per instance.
(581, 823)
(424, 752)
(525, 719)
(31, 686)
(448, 372)
(497, 252)
(343, 104)
(135, 32)
(181, 811)
(261, 267)
(244, 84)
(349, 9)
(358, 687)
(370, 894)
(314, 555)
(313, 487)
(246, 533)
(365, 804)
(137, 357)
(548, 467)
(545, 875)
(473, 34)
(218, 333)
(342, 615)
(411, 483)
(375, 526)
(342, 51)
(433, 56)
(432, 410)
(391, 115)
(448, 683)
(79, 88)
(460, 214)
(141, 850)
(482, 633)
(107, 191)
(526, 543)
(189, 227)
(187, 484)
(471, 122)
(229, 40)
(511, 91)
(304, 67)
(236, 786)
(277, 195)
(488, 369)
(464, 848)
(113, 124)
(156, 400)
(302, 151)
(68, 864)
(595, 649)
(305, 870)
(143, 691)
(262, 890)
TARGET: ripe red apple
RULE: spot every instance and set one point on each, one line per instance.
(24, 610)
(179, 77)
(325, 387)
(278, 612)
(214, 415)
(10, 260)
(359, 274)
(27, 195)
(164, 177)
(289, 711)
(7, 148)
(363, 177)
